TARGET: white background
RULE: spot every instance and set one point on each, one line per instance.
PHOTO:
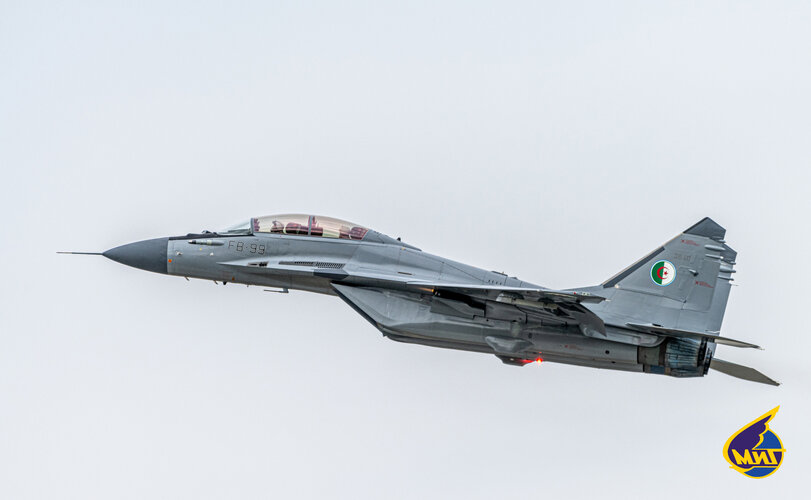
(557, 142)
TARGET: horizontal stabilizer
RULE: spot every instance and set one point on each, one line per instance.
(740, 371)
(672, 332)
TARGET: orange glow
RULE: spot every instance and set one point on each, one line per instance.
(170, 260)
(539, 360)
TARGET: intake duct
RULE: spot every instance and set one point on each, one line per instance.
(677, 357)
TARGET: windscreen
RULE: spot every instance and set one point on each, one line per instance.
(241, 228)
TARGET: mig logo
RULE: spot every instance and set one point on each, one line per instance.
(754, 450)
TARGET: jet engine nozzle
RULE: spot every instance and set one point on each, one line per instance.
(677, 357)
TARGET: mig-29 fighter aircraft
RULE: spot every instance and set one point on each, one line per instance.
(662, 314)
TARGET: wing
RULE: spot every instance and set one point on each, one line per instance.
(529, 294)
(559, 303)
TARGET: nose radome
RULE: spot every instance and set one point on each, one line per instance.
(149, 255)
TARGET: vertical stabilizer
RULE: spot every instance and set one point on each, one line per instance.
(683, 284)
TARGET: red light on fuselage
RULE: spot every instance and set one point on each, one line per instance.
(538, 360)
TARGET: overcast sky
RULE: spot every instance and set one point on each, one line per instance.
(557, 142)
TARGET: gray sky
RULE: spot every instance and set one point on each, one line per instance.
(557, 142)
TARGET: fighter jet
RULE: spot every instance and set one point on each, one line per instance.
(662, 314)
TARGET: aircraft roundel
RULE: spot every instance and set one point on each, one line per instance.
(663, 272)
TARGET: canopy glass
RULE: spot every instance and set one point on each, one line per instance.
(308, 225)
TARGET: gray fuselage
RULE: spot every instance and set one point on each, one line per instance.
(376, 276)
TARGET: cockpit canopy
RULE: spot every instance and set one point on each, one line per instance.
(299, 225)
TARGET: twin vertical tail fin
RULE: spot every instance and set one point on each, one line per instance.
(684, 284)
(680, 290)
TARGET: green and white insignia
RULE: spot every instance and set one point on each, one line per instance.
(663, 272)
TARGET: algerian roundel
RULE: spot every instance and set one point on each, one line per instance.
(663, 273)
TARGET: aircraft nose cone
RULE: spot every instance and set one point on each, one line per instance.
(149, 255)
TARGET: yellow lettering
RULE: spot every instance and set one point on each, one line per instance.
(756, 457)
(746, 459)
(760, 457)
